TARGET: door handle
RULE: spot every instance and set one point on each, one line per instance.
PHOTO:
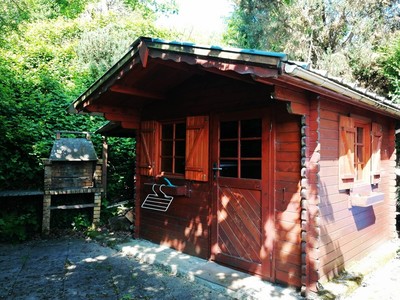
(216, 169)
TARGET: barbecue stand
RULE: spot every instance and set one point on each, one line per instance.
(72, 169)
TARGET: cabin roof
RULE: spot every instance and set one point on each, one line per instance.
(135, 76)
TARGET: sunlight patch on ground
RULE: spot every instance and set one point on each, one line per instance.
(95, 259)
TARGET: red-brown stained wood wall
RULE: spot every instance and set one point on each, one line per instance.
(185, 225)
(349, 234)
(334, 235)
(287, 250)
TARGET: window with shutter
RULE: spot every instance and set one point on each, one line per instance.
(147, 159)
(176, 148)
(184, 148)
(359, 154)
(197, 148)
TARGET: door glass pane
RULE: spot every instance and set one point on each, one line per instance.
(180, 131)
(180, 165)
(229, 130)
(360, 152)
(251, 169)
(167, 147)
(251, 148)
(360, 133)
(180, 148)
(228, 149)
(229, 168)
(241, 148)
(250, 128)
(166, 165)
(167, 131)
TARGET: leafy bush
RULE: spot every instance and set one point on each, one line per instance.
(16, 226)
(121, 167)
(391, 68)
(81, 222)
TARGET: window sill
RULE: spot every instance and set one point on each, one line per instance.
(366, 201)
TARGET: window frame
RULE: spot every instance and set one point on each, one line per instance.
(364, 143)
(173, 156)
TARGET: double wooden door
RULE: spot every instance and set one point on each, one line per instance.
(241, 191)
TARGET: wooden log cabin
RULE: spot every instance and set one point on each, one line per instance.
(252, 161)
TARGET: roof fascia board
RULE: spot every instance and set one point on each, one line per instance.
(272, 59)
(221, 65)
(109, 77)
(355, 96)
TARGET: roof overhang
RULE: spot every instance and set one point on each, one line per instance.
(210, 58)
(354, 94)
(153, 67)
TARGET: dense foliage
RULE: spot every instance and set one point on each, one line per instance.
(355, 40)
(50, 52)
(18, 223)
(390, 63)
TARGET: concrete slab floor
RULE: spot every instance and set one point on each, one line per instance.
(236, 284)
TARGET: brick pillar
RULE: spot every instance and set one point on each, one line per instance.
(47, 174)
(46, 213)
(97, 207)
(98, 182)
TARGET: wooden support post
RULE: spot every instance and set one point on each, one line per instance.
(104, 168)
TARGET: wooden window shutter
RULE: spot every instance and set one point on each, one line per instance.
(148, 148)
(346, 152)
(197, 148)
(376, 144)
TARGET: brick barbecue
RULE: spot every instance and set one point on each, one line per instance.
(72, 169)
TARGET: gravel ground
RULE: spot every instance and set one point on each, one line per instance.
(72, 268)
(75, 268)
(383, 284)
